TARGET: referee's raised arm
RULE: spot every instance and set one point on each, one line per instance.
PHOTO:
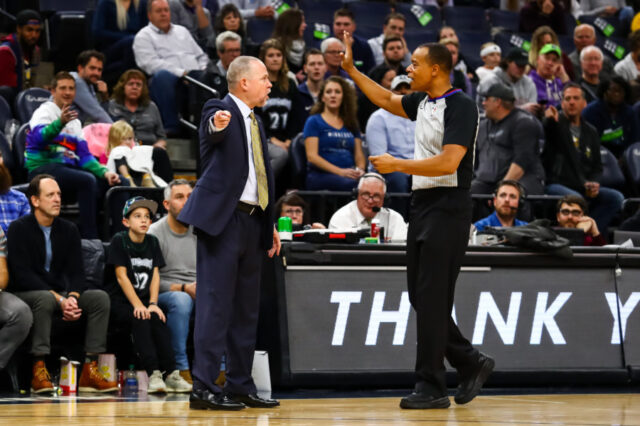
(377, 94)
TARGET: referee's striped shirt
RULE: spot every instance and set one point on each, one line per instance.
(449, 119)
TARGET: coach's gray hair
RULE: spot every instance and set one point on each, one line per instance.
(239, 68)
(372, 176)
(327, 41)
(590, 49)
(226, 36)
(175, 182)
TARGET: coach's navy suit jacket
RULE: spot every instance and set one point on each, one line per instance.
(225, 168)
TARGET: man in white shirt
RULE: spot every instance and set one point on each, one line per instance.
(360, 212)
(167, 52)
(394, 24)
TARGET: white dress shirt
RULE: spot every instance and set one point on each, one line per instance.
(175, 51)
(250, 192)
(349, 216)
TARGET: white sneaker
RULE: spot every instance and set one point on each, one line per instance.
(176, 383)
(156, 384)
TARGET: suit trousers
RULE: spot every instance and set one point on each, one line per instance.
(15, 323)
(227, 304)
(95, 305)
(436, 243)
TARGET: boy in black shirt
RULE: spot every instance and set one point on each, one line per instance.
(134, 259)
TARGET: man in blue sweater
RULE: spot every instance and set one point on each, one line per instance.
(506, 201)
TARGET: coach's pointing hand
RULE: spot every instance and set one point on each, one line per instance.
(347, 56)
(221, 119)
(384, 163)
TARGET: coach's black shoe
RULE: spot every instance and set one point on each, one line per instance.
(207, 400)
(254, 401)
(423, 401)
(470, 386)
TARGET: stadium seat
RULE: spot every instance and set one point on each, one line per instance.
(466, 19)
(370, 13)
(415, 38)
(298, 160)
(319, 11)
(612, 176)
(508, 41)
(19, 142)
(505, 19)
(260, 30)
(470, 43)
(632, 161)
(619, 31)
(368, 31)
(412, 20)
(608, 46)
(566, 43)
(66, 5)
(28, 101)
(5, 113)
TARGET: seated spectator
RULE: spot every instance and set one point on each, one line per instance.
(368, 206)
(390, 133)
(252, 8)
(178, 275)
(332, 139)
(571, 157)
(613, 116)
(167, 52)
(393, 49)
(45, 268)
(130, 160)
(616, 9)
(570, 213)
(542, 36)
(228, 47)
(459, 79)
(20, 55)
(92, 94)
(279, 113)
(115, 24)
(15, 315)
(447, 33)
(56, 146)
(506, 201)
(591, 60)
(508, 145)
(332, 49)
(133, 261)
(549, 75)
(383, 75)
(490, 54)
(289, 30)
(584, 35)
(394, 25)
(314, 68)
(13, 203)
(510, 73)
(537, 13)
(292, 205)
(627, 68)
(345, 20)
(131, 102)
(197, 19)
(229, 19)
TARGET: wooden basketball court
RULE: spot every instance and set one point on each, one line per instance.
(607, 409)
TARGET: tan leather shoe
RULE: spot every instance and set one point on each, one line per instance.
(186, 375)
(92, 380)
(41, 381)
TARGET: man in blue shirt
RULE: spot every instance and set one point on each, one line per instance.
(506, 200)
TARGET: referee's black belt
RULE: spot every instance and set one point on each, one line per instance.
(249, 209)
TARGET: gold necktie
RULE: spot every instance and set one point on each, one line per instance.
(258, 163)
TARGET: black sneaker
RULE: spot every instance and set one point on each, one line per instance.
(423, 401)
(470, 387)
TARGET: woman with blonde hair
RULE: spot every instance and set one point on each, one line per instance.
(332, 139)
(115, 24)
(545, 35)
(132, 161)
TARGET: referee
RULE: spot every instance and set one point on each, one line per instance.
(446, 127)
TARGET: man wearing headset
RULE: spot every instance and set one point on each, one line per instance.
(506, 200)
(367, 206)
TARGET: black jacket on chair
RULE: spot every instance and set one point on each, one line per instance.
(27, 254)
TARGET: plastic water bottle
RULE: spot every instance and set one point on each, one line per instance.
(130, 381)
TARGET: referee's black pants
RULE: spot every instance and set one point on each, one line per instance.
(436, 243)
